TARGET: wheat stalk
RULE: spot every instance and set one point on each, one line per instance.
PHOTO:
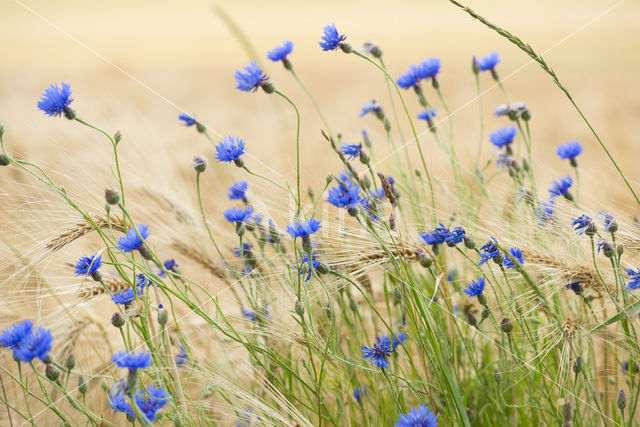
(82, 228)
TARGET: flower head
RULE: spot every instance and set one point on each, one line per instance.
(351, 151)
(187, 119)
(419, 416)
(229, 149)
(132, 240)
(88, 265)
(238, 214)
(370, 107)
(253, 315)
(359, 392)
(149, 402)
(455, 236)
(517, 254)
(331, 39)
(303, 228)
(475, 288)
(428, 115)
(346, 196)
(124, 297)
(246, 250)
(55, 100)
(489, 62)
(10, 337)
(279, 53)
(569, 150)
(181, 357)
(544, 210)
(312, 265)
(489, 251)
(513, 110)
(34, 346)
(398, 339)
(250, 78)
(584, 224)
(409, 78)
(575, 287)
(131, 360)
(503, 136)
(437, 236)
(238, 190)
(379, 352)
(609, 223)
(561, 186)
(634, 280)
(199, 163)
(169, 265)
(428, 69)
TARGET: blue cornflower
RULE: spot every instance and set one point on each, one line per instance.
(88, 265)
(544, 210)
(238, 190)
(398, 339)
(503, 136)
(142, 282)
(252, 315)
(359, 392)
(303, 228)
(584, 224)
(634, 280)
(246, 250)
(452, 274)
(131, 360)
(199, 163)
(55, 101)
(230, 149)
(10, 337)
(132, 241)
(517, 254)
(605, 246)
(437, 236)
(475, 288)
(409, 79)
(489, 62)
(561, 186)
(169, 265)
(125, 297)
(570, 150)
(351, 151)
(575, 287)
(331, 39)
(419, 416)
(118, 403)
(238, 214)
(371, 107)
(428, 69)
(279, 53)
(181, 357)
(489, 251)
(609, 222)
(151, 402)
(455, 236)
(428, 115)
(250, 78)
(379, 353)
(187, 119)
(312, 265)
(504, 160)
(34, 346)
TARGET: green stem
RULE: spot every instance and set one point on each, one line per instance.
(299, 201)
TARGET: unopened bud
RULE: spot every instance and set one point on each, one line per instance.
(299, 308)
(346, 47)
(387, 125)
(485, 313)
(52, 373)
(469, 243)
(4, 160)
(364, 158)
(397, 296)
(474, 66)
(200, 127)
(426, 262)
(117, 320)
(82, 385)
(577, 365)
(117, 137)
(506, 325)
(471, 319)
(353, 305)
(163, 317)
(268, 87)
(622, 400)
(482, 299)
(70, 363)
(111, 196)
(619, 249)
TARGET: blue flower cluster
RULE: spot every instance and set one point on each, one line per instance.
(88, 265)
(149, 402)
(331, 38)
(420, 416)
(25, 343)
(55, 100)
(427, 69)
(134, 239)
(303, 228)
(132, 361)
(442, 234)
(489, 62)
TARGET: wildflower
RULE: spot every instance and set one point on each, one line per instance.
(351, 151)
(475, 288)
(199, 164)
(419, 416)
(544, 210)
(238, 190)
(55, 101)
(367, 140)
(251, 77)
(238, 215)
(561, 187)
(34, 346)
(506, 325)
(169, 265)
(246, 250)
(428, 69)
(131, 360)
(452, 274)
(372, 107)
(605, 247)
(331, 39)
(230, 149)
(11, 337)
(150, 402)
(279, 53)
(621, 403)
(634, 280)
(437, 236)
(372, 48)
(124, 297)
(630, 366)
(251, 315)
(503, 136)
(303, 228)
(489, 62)
(187, 119)
(409, 78)
(427, 115)
(570, 150)
(575, 287)
(584, 224)
(515, 253)
(312, 265)
(359, 392)
(610, 224)
(134, 239)
(397, 340)
(142, 282)
(88, 265)
(515, 110)
(379, 353)
(455, 236)
(181, 357)
(489, 251)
